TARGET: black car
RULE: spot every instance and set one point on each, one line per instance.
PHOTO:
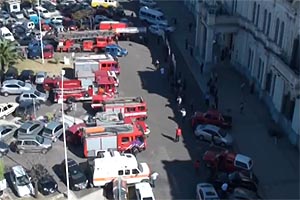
(237, 179)
(27, 76)
(25, 41)
(11, 73)
(26, 108)
(4, 148)
(242, 193)
(77, 178)
(47, 185)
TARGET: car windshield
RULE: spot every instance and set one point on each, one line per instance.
(20, 83)
(40, 76)
(147, 198)
(31, 13)
(22, 180)
(37, 93)
(19, 13)
(22, 130)
(40, 139)
(47, 131)
(222, 133)
(45, 11)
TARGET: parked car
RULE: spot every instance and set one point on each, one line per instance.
(33, 95)
(166, 28)
(237, 179)
(77, 178)
(26, 108)
(116, 50)
(7, 109)
(214, 134)
(25, 41)
(213, 117)
(21, 181)
(31, 128)
(27, 76)
(11, 73)
(243, 193)
(7, 132)
(53, 130)
(46, 184)
(154, 29)
(206, 191)
(4, 14)
(32, 143)
(149, 3)
(14, 87)
(18, 15)
(40, 77)
(29, 12)
(4, 149)
(144, 191)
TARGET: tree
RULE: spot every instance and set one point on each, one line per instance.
(36, 173)
(9, 53)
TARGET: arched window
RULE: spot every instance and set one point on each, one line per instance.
(265, 20)
(253, 12)
(281, 34)
(276, 31)
(257, 15)
(269, 24)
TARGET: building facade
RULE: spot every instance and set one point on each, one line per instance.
(262, 40)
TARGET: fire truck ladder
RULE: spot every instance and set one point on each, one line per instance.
(125, 100)
(75, 35)
(69, 90)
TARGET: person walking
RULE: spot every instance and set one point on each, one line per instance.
(157, 64)
(153, 178)
(197, 166)
(178, 134)
(183, 114)
(179, 100)
(224, 189)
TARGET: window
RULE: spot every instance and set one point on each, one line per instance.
(241, 165)
(253, 12)
(4, 108)
(26, 95)
(265, 20)
(276, 30)
(257, 15)
(29, 143)
(269, 24)
(141, 108)
(120, 172)
(135, 171)
(12, 86)
(127, 172)
(281, 34)
(125, 139)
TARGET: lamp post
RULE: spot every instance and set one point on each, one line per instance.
(64, 132)
(41, 36)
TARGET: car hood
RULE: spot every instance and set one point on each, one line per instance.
(47, 142)
(50, 184)
(28, 86)
(25, 190)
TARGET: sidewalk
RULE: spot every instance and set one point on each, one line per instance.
(275, 164)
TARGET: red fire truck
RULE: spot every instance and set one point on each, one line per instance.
(124, 138)
(133, 107)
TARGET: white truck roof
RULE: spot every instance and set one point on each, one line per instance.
(117, 159)
(95, 57)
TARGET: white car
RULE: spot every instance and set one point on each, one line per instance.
(7, 109)
(144, 191)
(207, 132)
(57, 19)
(40, 77)
(206, 191)
(21, 181)
(154, 29)
(166, 28)
(149, 3)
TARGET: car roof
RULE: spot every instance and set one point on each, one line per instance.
(53, 124)
(243, 158)
(208, 190)
(28, 124)
(12, 81)
(5, 126)
(18, 170)
(145, 189)
(210, 127)
(4, 104)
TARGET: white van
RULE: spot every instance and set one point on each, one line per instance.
(104, 3)
(6, 34)
(113, 164)
(152, 16)
(12, 6)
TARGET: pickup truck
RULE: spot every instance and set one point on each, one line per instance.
(213, 117)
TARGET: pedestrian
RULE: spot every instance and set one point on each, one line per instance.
(201, 68)
(190, 26)
(157, 64)
(179, 100)
(207, 97)
(153, 178)
(178, 134)
(183, 114)
(242, 107)
(186, 43)
(216, 98)
(117, 39)
(224, 189)
(162, 71)
(197, 166)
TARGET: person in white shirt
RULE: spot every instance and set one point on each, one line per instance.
(183, 114)
(179, 100)
(162, 71)
(153, 178)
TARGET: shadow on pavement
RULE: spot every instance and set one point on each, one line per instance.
(168, 137)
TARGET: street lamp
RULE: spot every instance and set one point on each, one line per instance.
(64, 132)
(41, 36)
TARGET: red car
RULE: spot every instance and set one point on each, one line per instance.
(213, 117)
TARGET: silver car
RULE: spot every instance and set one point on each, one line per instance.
(214, 134)
(7, 132)
(14, 87)
(30, 128)
(40, 77)
(53, 130)
(33, 95)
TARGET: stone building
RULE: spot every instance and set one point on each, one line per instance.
(261, 39)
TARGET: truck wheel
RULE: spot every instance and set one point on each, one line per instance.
(5, 94)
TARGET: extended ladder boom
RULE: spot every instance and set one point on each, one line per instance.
(124, 100)
(85, 34)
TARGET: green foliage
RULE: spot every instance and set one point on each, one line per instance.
(2, 170)
(8, 53)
